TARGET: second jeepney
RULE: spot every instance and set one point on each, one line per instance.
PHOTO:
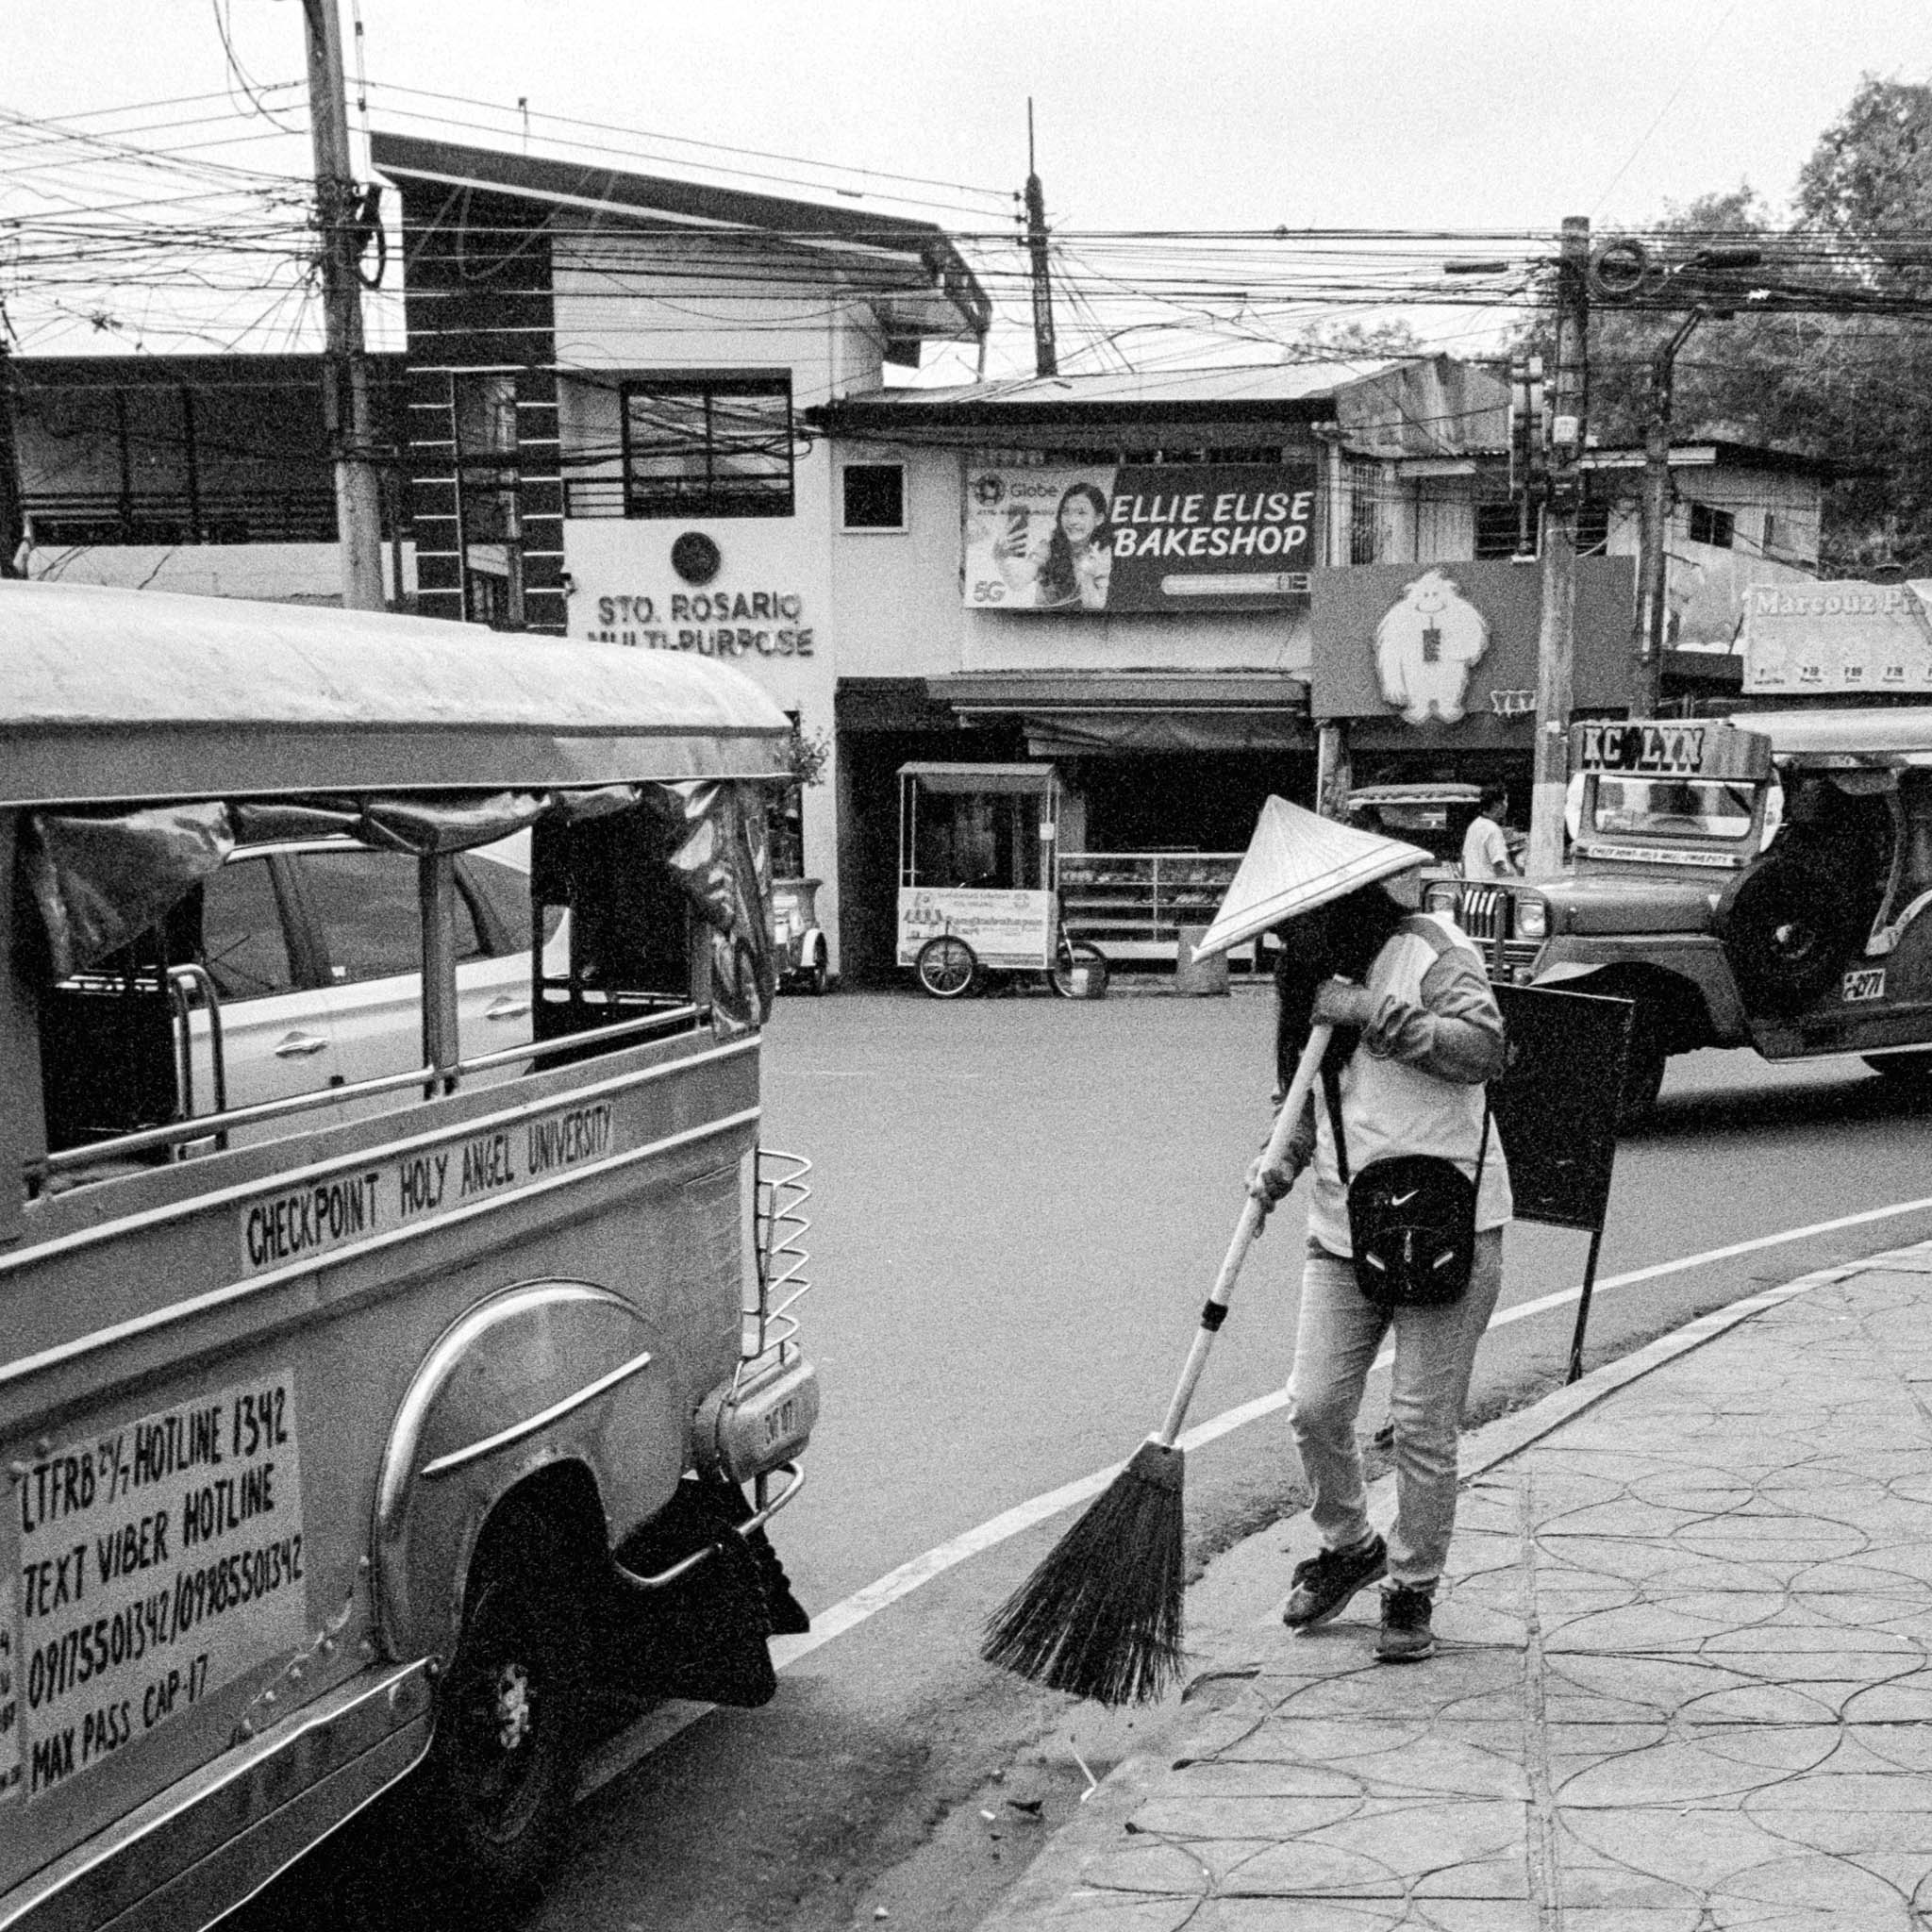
(1764, 881)
(371, 1396)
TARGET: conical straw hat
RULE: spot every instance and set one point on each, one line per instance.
(1296, 861)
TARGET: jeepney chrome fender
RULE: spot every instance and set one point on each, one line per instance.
(544, 1373)
(1696, 959)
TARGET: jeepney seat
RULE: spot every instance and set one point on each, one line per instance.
(108, 1059)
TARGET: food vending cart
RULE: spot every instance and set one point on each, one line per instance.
(978, 881)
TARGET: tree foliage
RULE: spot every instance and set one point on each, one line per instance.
(1850, 383)
(1352, 341)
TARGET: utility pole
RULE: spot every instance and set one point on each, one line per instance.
(1555, 638)
(1045, 360)
(1646, 683)
(1652, 573)
(345, 367)
(12, 512)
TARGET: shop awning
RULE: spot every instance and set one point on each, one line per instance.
(1101, 713)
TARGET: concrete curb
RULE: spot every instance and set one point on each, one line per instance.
(1250, 1574)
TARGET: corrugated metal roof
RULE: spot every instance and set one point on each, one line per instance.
(1261, 382)
(134, 695)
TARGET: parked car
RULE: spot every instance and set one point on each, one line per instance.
(312, 947)
(1765, 882)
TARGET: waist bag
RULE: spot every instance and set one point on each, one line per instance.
(1411, 1218)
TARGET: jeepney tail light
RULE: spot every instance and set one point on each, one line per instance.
(757, 1420)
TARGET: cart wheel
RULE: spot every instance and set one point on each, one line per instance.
(509, 1737)
(815, 977)
(946, 966)
(1070, 954)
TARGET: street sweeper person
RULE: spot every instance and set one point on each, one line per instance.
(1397, 1132)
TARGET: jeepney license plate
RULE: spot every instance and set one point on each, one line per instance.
(1863, 983)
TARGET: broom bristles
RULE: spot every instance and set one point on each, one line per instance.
(1101, 1616)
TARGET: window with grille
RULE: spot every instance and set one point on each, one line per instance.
(1593, 530)
(488, 499)
(707, 446)
(1364, 514)
(1499, 531)
(1716, 527)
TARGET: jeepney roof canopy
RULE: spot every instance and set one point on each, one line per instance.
(1901, 733)
(117, 695)
(944, 777)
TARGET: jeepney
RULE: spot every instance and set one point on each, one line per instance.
(1764, 881)
(418, 1415)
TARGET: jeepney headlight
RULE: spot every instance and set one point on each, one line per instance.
(1439, 896)
(1532, 919)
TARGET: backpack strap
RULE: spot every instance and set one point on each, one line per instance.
(1331, 1092)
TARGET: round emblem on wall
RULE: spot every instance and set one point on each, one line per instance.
(695, 557)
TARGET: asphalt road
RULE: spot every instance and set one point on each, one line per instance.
(1020, 1204)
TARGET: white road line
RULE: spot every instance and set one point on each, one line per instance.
(626, 1749)
(908, 1578)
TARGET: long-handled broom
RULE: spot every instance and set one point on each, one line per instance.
(1101, 1617)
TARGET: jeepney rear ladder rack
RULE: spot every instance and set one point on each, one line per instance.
(780, 1258)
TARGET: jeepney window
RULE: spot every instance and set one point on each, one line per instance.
(368, 908)
(630, 927)
(506, 892)
(1695, 808)
(1915, 855)
(243, 943)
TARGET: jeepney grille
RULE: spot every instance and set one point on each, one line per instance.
(1488, 915)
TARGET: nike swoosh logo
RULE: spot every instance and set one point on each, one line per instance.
(1402, 1200)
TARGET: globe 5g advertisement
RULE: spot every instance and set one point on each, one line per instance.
(1140, 537)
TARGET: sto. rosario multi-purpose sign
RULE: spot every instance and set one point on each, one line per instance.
(715, 624)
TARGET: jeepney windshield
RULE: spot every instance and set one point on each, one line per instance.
(1682, 807)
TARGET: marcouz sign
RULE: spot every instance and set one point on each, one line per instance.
(1450, 649)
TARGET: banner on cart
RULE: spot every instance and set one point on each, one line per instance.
(1186, 537)
(1006, 930)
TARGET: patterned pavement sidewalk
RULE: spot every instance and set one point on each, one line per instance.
(1684, 1682)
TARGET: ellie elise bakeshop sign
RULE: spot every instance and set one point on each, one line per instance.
(1132, 536)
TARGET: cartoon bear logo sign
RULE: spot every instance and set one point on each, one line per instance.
(1427, 646)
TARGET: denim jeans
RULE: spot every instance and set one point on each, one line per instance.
(1340, 1334)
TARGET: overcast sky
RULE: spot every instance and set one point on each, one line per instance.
(1216, 114)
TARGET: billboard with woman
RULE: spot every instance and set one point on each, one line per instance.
(1138, 537)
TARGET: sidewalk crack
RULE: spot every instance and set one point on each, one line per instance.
(1545, 1885)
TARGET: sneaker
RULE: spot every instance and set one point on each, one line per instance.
(1406, 1638)
(1324, 1584)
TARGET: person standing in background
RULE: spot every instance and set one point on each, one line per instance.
(1485, 850)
